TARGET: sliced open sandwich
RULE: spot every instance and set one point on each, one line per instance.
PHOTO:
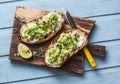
(64, 46)
(42, 29)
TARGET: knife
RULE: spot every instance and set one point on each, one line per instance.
(85, 49)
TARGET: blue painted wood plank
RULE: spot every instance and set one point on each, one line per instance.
(12, 71)
(7, 1)
(10, 1)
(107, 28)
(104, 76)
(24, 71)
(5, 38)
(3, 1)
(83, 8)
(111, 58)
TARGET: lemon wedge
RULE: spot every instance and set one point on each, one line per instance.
(24, 51)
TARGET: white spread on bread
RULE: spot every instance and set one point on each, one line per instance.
(42, 28)
(56, 55)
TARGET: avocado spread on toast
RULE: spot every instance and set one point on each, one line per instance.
(64, 45)
(42, 27)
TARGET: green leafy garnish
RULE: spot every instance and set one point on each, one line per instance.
(42, 27)
(38, 53)
(16, 54)
(23, 18)
(65, 44)
(42, 51)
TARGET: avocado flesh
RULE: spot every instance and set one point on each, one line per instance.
(64, 45)
(42, 27)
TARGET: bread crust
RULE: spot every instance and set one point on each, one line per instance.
(46, 38)
(73, 52)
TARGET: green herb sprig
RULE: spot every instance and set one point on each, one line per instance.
(23, 18)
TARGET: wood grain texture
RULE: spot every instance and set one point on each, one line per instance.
(23, 71)
(105, 76)
(101, 28)
(75, 64)
(78, 8)
(7, 33)
(97, 50)
(10, 72)
(6, 1)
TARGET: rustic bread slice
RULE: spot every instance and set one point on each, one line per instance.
(82, 39)
(48, 36)
(27, 14)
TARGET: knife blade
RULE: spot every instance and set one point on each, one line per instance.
(85, 49)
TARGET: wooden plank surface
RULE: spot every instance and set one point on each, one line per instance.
(10, 1)
(78, 8)
(86, 8)
(6, 1)
(26, 71)
(104, 76)
(5, 38)
(75, 64)
(102, 24)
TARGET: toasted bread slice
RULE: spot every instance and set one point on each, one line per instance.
(41, 37)
(80, 42)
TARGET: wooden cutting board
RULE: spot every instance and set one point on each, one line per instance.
(74, 64)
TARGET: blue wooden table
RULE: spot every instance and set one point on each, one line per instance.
(106, 32)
